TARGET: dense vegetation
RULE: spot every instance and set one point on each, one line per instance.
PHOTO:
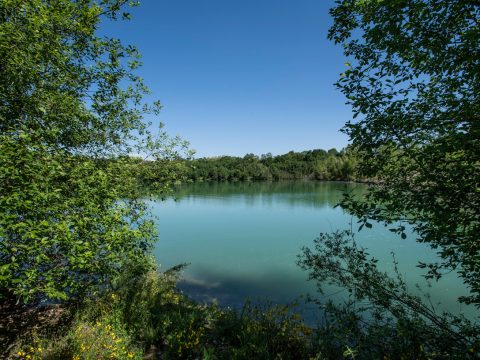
(313, 165)
(413, 84)
(74, 230)
(147, 316)
(71, 111)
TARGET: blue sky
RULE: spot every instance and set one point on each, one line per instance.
(237, 77)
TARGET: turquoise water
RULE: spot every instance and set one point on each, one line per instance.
(242, 240)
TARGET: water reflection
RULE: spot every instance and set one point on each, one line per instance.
(242, 240)
(292, 193)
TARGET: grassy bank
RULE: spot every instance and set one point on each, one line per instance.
(148, 318)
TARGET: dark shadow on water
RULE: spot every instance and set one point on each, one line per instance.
(273, 288)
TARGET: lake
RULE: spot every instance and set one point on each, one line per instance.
(242, 240)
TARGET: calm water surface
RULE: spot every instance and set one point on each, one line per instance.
(242, 241)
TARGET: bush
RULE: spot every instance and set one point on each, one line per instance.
(104, 338)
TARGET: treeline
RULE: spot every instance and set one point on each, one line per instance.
(313, 165)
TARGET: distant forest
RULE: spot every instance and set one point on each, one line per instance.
(312, 165)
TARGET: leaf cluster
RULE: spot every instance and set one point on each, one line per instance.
(72, 113)
(414, 84)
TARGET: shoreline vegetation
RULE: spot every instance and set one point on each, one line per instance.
(308, 165)
(319, 165)
(147, 318)
(144, 316)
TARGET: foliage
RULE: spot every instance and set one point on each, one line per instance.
(156, 313)
(263, 332)
(71, 112)
(314, 164)
(104, 338)
(382, 319)
(64, 232)
(413, 84)
(147, 312)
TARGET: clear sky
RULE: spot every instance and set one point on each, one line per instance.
(241, 76)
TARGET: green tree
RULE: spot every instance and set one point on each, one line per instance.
(414, 86)
(71, 113)
(413, 83)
